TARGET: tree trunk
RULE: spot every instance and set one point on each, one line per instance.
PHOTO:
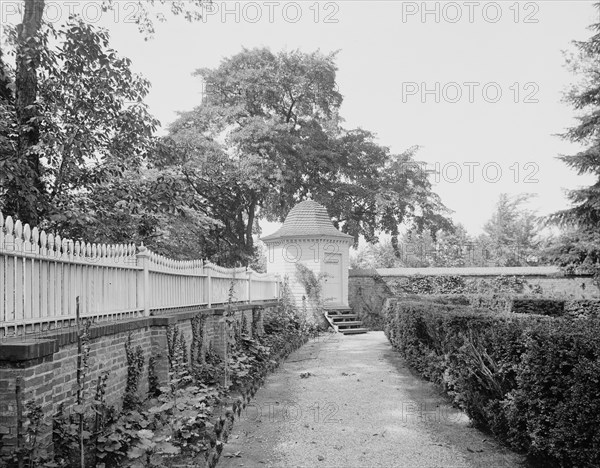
(25, 195)
(250, 225)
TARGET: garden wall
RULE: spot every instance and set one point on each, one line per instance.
(44, 369)
(369, 289)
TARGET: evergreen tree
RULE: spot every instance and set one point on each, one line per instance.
(585, 97)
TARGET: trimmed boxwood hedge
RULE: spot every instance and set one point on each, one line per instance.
(531, 380)
(581, 308)
(536, 305)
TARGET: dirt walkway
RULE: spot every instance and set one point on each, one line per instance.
(349, 401)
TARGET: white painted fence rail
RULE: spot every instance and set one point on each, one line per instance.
(42, 274)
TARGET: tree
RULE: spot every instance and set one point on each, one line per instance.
(577, 249)
(447, 248)
(149, 11)
(93, 129)
(23, 178)
(24, 185)
(268, 135)
(510, 231)
(585, 97)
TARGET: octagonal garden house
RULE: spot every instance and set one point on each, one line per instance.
(309, 237)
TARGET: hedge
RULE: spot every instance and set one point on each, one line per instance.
(582, 308)
(531, 380)
(503, 302)
(540, 306)
(458, 284)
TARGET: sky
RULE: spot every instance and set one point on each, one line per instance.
(476, 85)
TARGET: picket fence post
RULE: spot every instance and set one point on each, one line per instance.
(143, 260)
(209, 282)
(249, 276)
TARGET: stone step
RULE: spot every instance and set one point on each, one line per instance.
(349, 324)
(341, 318)
(339, 311)
(354, 331)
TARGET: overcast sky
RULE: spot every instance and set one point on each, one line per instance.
(477, 85)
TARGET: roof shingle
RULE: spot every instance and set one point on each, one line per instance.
(307, 218)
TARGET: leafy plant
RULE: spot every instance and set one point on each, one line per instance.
(135, 366)
(313, 285)
(531, 380)
(28, 454)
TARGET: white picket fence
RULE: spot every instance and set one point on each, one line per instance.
(41, 275)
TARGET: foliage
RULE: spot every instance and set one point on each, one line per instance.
(576, 251)
(135, 366)
(179, 372)
(93, 124)
(268, 135)
(530, 380)
(153, 381)
(313, 286)
(508, 241)
(150, 11)
(94, 144)
(583, 96)
(539, 306)
(458, 284)
(24, 168)
(197, 348)
(510, 232)
(582, 308)
(30, 454)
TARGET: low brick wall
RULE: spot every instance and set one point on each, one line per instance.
(45, 369)
(369, 289)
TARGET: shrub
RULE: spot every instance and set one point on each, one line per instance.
(531, 380)
(582, 308)
(453, 299)
(458, 284)
(540, 306)
(557, 399)
(493, 302)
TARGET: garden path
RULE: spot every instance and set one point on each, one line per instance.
(350, 401)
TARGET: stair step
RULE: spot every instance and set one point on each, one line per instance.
(339, 311)
(354, 331)
(343, 317)
(349, 324)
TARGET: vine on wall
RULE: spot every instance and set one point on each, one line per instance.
(135, 366)
(197, 350)
(314, 305)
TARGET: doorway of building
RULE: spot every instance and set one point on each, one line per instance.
(332, 290)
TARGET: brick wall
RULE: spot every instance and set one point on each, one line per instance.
(45, 368)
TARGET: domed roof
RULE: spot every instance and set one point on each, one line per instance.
(307, 218)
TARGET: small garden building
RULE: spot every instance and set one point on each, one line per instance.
(308, 237)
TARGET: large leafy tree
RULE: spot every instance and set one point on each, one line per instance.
(94, 134)
(21, 166)
(267, 135)
(23, 170)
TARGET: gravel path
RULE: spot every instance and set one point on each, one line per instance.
(350, 401)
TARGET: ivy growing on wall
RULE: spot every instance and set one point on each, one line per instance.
(135, 366)
(458, 284)
(153, 381)
(197, 350)
(314, 303)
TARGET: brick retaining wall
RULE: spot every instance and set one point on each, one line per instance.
(46, 367)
